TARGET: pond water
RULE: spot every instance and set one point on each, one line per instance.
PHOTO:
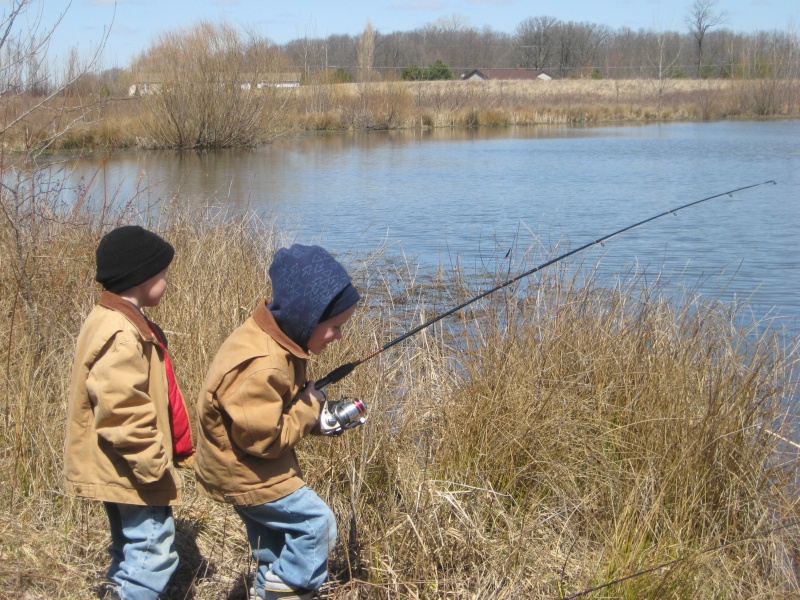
(476, 200)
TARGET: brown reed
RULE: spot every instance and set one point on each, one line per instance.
(545, 440)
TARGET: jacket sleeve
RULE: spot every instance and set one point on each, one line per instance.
(124, 413)
(260, 425)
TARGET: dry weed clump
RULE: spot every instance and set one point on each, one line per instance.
(548, 439)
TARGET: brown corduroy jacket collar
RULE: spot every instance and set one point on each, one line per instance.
(264, 319)
(130, 311)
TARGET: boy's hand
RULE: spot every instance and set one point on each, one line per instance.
(309, 393)
(183, 462)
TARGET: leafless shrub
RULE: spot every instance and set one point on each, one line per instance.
(210, 87)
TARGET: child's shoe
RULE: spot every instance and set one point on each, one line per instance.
(285, 595)
(276, 588)
(109, 591)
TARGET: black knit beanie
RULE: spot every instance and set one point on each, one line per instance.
(130, 255)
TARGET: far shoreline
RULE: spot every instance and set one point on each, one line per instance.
(122, 123)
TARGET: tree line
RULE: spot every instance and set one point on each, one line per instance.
(705, 48)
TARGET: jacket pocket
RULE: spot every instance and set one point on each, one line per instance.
(240, 499)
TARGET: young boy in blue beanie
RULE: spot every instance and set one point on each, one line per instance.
(127, 427)
(256, 405)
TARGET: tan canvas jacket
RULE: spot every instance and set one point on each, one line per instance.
(248, 421)
(118, 441)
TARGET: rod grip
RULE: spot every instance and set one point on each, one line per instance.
(337, 374)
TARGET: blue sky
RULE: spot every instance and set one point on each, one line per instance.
(134, 24)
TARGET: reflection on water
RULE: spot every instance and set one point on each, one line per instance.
(476, 200)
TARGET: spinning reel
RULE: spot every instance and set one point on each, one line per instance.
(338, 416)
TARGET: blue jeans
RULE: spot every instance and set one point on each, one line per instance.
(142, 549)
(291, 537)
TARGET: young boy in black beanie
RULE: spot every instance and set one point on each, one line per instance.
(256, 405)
(127, 425)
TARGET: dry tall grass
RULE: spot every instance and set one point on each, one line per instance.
(424, 104)
(548, 439)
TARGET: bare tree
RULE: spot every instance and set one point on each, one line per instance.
(342, 51)
(663, 55)
(792, 53)
(451, 37)
(366, 53)
(578, 45)
(309, 53)
(536, 41)
(703, 17)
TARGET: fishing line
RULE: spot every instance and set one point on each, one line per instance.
(342, 371)
(680, 560)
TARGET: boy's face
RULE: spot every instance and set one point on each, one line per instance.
(328, 331)
(150, 292)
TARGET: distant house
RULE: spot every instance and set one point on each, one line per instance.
(280, 80)
(271, 80)
(505, 75)
(144, 89)
(248, 81)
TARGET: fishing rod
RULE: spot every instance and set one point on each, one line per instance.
(345, 369)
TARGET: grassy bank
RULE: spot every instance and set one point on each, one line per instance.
(541, 442)
(499, 103)
(155, 121)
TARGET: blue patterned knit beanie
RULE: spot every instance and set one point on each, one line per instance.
(308, 286)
